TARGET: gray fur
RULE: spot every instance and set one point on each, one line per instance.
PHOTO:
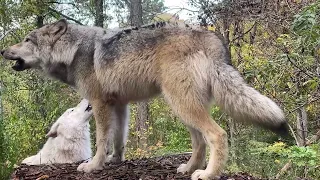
(111, 68)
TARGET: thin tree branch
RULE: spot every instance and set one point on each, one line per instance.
(295, 65)
(240, 36)
(285, 168)
(65, 16)
(182, 9)
(306, 103)
(6, 34)
(55, 2)
(288, 165)
(12, 31)
(314, 138)
(294, 135)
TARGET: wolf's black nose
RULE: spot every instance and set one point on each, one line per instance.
(88, 108)
(2, 52)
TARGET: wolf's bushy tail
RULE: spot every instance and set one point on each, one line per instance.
(244, 103)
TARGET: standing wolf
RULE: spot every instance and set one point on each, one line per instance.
(111, 69)
(69, 138)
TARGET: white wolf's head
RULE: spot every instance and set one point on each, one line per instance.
(69, 138)
(73, 123)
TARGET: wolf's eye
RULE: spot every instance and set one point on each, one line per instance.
(27, 40)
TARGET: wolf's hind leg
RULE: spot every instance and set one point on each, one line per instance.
(191, 106)
(102, 114)
(120, 132)
(217, 140)
(197, 160)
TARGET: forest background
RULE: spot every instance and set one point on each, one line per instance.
(275, 44)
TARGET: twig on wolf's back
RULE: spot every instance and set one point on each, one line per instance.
(65, 16)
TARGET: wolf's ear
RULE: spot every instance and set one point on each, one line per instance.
(58, 28)
(53, 131)
(51, 134)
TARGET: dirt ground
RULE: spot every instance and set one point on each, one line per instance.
(146, 169)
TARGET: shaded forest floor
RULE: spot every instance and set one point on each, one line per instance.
(164, 167)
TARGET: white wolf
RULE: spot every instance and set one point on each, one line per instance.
(69, 138)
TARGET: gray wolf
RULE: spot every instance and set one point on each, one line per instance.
(68, 139)
(189, 67)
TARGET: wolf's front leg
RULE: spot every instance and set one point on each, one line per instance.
(102, 114)
(30, 160)
(120, 132)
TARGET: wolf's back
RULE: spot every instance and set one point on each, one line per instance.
(244, 103)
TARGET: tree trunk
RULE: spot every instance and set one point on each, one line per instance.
(141, 123)
(231, 127)
(39, 21)
(41, 13)
(99, 19)
(253, 34)
(302, 126)
(2, 136)
(226, 31)
(38, 98)
(135, 19)
(301, 137)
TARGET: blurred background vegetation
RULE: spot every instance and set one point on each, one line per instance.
(274, 44)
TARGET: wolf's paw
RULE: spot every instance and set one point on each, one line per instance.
(184, 169)
(190, 167)
(89, 167)
(114, 159)
(29, 160)
(204, 175)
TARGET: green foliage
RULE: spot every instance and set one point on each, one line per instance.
(29, 108)
(303, 156)
(150, 8)
(30, 104)
(165, 133)
(304, 159)
(307, 28)
(285, 69)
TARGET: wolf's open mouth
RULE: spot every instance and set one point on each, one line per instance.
(19, 65)
(88, 108)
